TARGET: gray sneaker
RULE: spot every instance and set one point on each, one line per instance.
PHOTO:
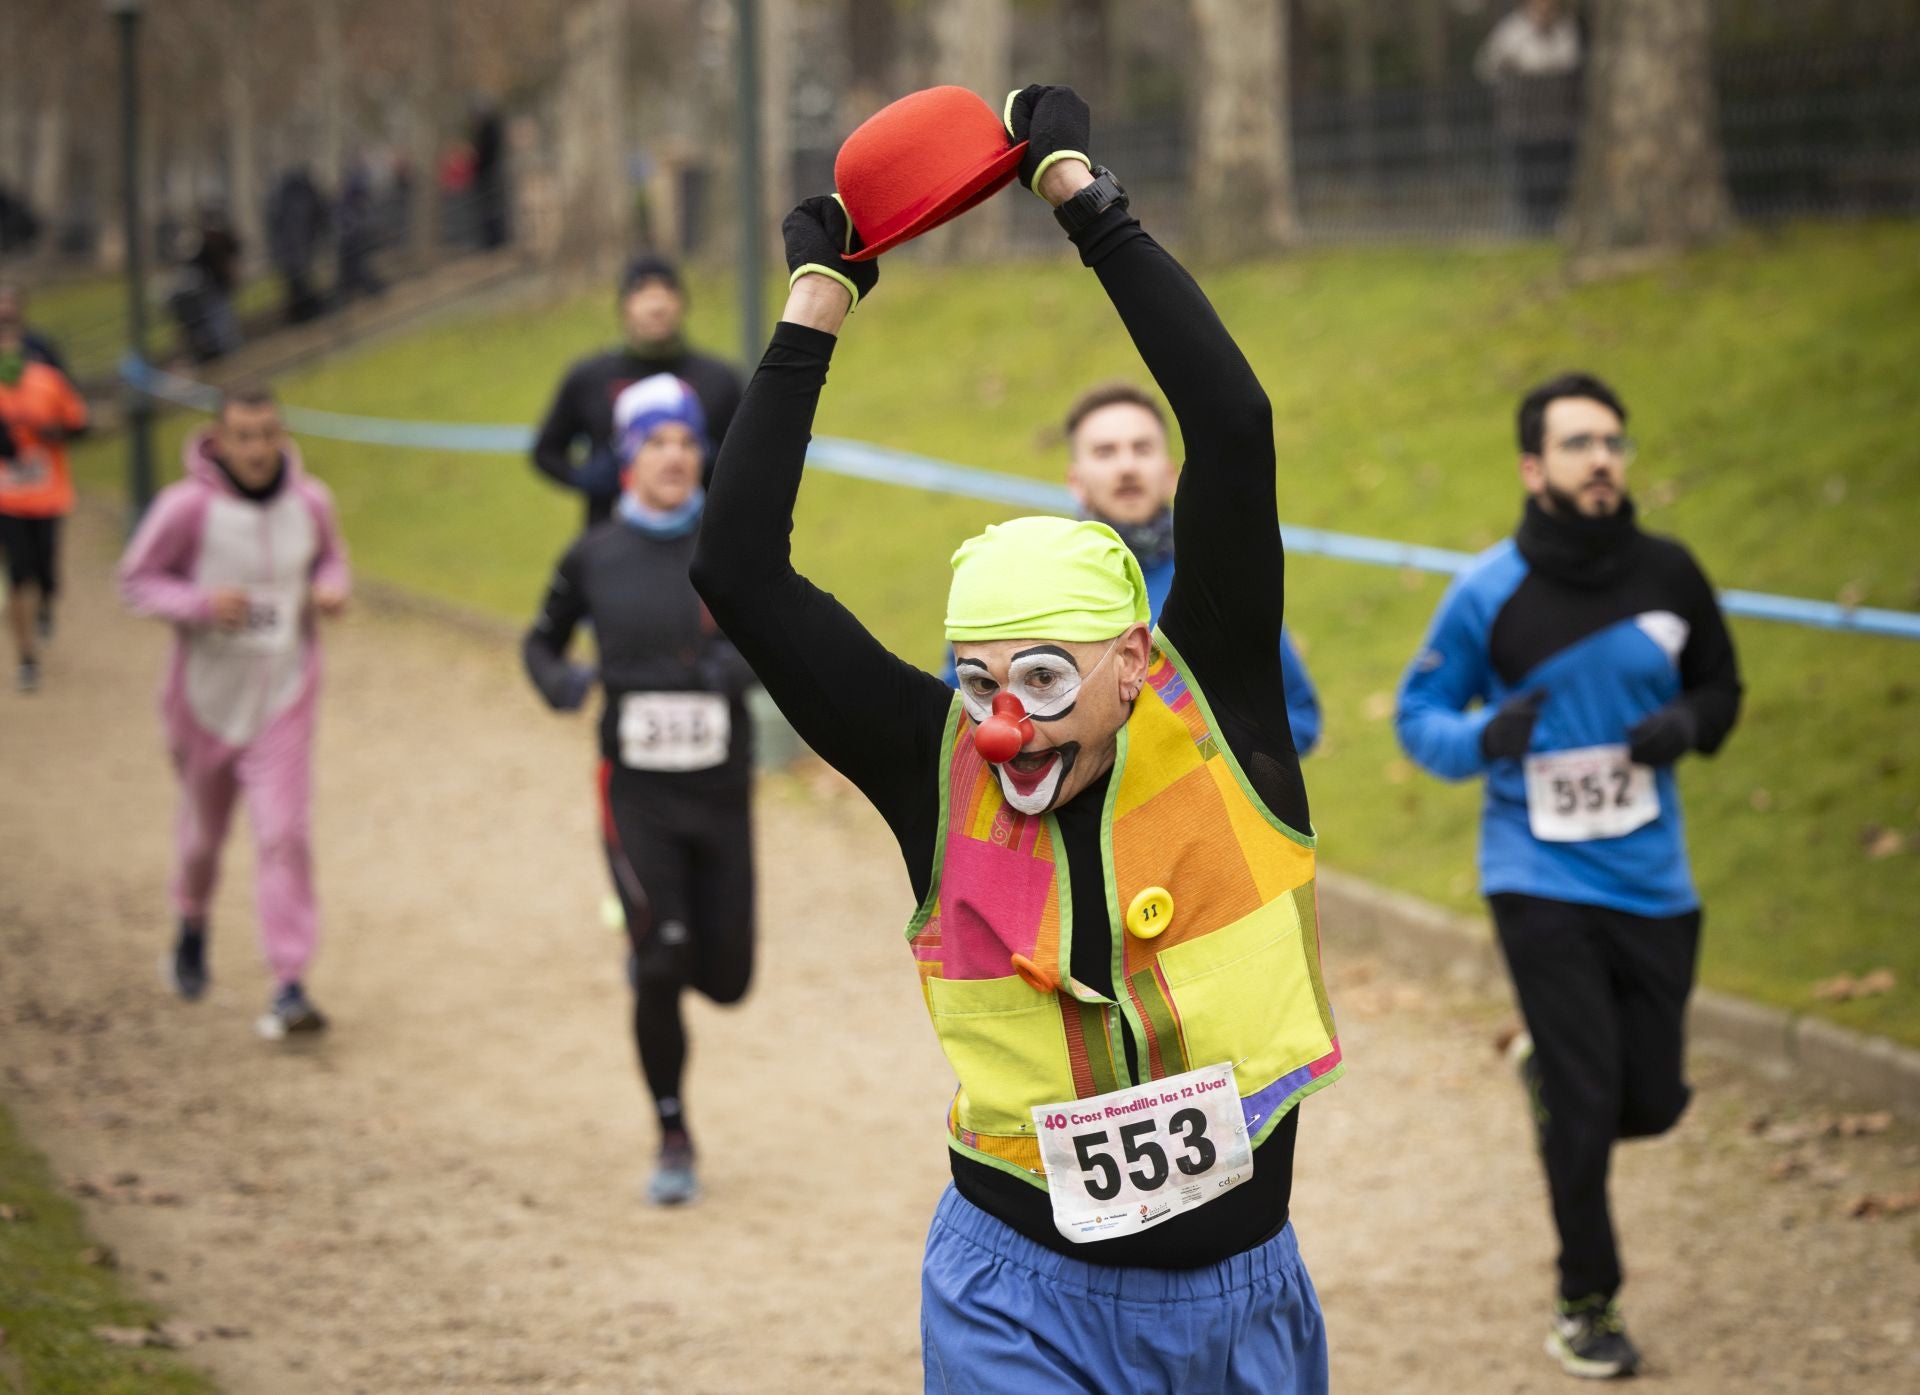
(291, 1013)
(27, 680)
(1589, 1339)
(673, 1182)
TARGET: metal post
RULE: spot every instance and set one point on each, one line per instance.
(126, 14)
(753, 317)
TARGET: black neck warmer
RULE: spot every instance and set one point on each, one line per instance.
(1576, 549)
(1151, 542)
(258, 494)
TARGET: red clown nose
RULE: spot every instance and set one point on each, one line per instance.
(1000, 737)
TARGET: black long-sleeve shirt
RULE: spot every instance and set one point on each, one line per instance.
(582, 415)
(879, 720)
(652, 635)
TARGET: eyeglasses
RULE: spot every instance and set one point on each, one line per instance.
(1583, 444)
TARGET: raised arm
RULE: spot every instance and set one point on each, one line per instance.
(1231, 576)
(866, 712)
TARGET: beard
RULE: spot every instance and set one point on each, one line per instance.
(1561, 502)
(1039, 791)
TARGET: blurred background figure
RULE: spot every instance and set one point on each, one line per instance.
(202, 298)
(489, 173)
(357, 236)
(241, 556)
(653, 308)
(296, 224)
(39, 411)
(1532, 60)
(37, 347)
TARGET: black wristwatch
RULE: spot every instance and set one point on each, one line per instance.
(1092, 201)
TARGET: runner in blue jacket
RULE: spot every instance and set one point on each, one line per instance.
(1571, 666)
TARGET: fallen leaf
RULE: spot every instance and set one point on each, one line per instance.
(1843, 987)
(1378, 707)
(1761, 800)
(1852, 594)
(130, 1336)
(126, 1179)
(1787, 1168)
(1504, 1039)
(1872, 1206)
(85, 1186)
(1888, 842)
(1860, 1125)
(11, 1215)
(100, 1257)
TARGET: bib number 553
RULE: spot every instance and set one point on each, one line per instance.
(1148, 1167)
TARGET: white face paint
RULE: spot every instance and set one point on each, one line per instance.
(1047, 680)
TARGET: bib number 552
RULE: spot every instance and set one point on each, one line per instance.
(1147, 1163)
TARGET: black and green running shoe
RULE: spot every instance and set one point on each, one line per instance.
(1589, 1339)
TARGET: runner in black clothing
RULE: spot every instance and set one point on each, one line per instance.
(675, 745)
(576, 444)
(882, 722)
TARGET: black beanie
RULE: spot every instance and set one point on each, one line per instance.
(648, 267)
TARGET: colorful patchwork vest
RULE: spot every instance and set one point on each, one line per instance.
(1232, 975)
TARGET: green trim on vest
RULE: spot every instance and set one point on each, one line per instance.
(1234, 976)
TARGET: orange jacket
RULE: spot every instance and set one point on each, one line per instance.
(36, 483)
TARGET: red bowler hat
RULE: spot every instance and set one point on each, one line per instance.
(919, 161)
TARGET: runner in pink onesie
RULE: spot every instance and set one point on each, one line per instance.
(240, 556)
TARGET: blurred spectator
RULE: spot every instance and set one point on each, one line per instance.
(202, 299)
(576, 445)
(296, 223)
(358, 236)
(456, 175)
(489, 174)
(1532, 61)
(37, 347)
(19, 229)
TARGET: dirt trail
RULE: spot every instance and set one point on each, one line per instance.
(445, 1194)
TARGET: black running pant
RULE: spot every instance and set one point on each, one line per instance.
(32, 546)
(683, 868)
(1604, 995)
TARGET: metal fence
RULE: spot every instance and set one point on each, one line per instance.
(1811, 131)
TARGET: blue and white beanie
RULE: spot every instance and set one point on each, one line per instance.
(649, 404)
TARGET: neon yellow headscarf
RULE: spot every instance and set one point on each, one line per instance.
(1044, 578)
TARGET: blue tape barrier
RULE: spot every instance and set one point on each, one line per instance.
(883, 465)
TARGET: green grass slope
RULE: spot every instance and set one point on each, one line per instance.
(1772, 388)
(51, 1297)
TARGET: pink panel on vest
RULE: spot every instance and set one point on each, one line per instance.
(1004, 887)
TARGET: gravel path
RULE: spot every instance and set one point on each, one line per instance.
(445, 1193)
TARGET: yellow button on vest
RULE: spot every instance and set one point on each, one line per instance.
(1150, 912)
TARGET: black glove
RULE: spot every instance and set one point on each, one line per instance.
(818, 235)
(1663, 737)
(1055, 124)
(6, 442)
(1507, 736)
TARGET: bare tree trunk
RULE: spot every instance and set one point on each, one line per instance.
(872, 30)
(778, 25)
(1243, 164)
(1430, 49)
(1359, 83)
(591, 132)
(1650, 173)
(1088, 25)
(424, 107)
(243, 202)
(974, 40)
(330, 53)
